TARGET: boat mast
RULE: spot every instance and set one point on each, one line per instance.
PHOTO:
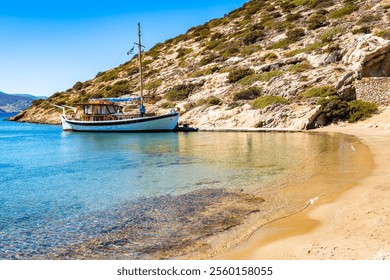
(140, 63)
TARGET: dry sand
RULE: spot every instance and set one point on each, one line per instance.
(353, 224)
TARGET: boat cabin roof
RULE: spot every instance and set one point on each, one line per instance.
(99, 108)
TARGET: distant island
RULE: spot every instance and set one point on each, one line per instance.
(13, 103)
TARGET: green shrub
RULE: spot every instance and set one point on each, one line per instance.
(249, 80)
(363, 29)
(384, 34)
(300, 67)
(266, 76)
(201, 32)
(253, 7)
(281, 44)
(156, 50)
(336, 109)
(346, 10)
(168, 105)
(238, 74)
(328, 35)
(269, 56)
(369, 18)
(118, 89)
(208, 71)
(322, 91)
(153, 85)
(78, 86)
(133, 70)
(230, 49)
(183, 52)
(212, 44)
(287, 6)
(179, 92)
(248, 50)
(251, 37)
(212, 101)
(293, 17)
(360, 110)
(299, 3)
(109, 75)
(207, 59)
(316, 21)
(38, 102)
(295, 34)
(180, 38)
(248, 94)
(216, 36)
(315, 4)
(264, 101)
(313, 47)
(200, 102)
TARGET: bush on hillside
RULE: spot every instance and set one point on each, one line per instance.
(78, 86)
(295, 34)
(300, 67)
(266, 76)
(322, 91)
(248, 94)
(385, 34)
(360, 110)
(336, 109)
(264, 101)
(183, 52)
(251, 37)
(346, 10)
(179, 92)
(238, 74)
(316, 21)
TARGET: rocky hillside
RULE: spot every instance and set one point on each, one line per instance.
(12, 103)
(271, 63)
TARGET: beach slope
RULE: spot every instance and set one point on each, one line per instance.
(352, 224)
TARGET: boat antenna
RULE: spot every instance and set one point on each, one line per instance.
(140, 46)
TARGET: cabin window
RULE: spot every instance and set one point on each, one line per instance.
(111, 109)
(88, 110)
(101, 110)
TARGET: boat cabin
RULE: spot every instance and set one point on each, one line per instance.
(98, 111)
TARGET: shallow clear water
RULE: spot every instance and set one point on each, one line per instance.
(60, 188)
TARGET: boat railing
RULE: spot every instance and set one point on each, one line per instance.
(98, 118)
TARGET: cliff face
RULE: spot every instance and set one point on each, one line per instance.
(261, 65)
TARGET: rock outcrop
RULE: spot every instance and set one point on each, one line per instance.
(280, 48)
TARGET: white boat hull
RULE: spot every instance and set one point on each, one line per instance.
(166, 122)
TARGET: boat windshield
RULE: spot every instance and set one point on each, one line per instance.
(101, 109)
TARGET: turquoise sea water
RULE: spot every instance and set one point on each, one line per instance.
(61, 188)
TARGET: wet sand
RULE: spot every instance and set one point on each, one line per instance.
(350, 224)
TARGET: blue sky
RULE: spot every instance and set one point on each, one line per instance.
(47, 46)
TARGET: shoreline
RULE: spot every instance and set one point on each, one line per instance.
(351, 224)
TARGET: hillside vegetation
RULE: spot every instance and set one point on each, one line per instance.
(269, 63)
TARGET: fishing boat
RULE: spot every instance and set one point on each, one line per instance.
(107, 115)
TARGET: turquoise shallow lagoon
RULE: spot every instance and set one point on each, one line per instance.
(58, 189)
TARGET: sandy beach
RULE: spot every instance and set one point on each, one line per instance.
(353, 224)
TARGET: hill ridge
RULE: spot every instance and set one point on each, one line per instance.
(269, 63)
